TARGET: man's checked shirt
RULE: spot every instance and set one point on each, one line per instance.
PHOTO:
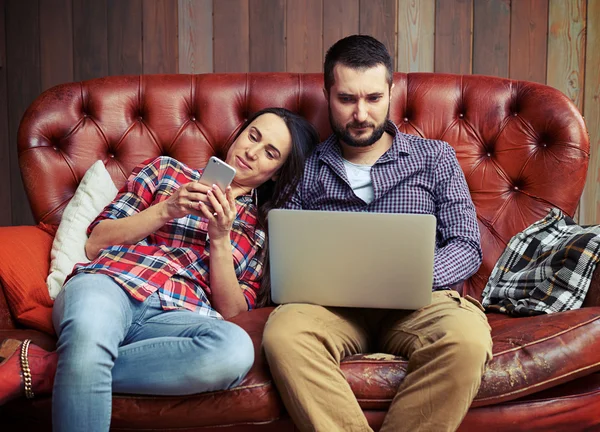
(415, 175)
(175, 260)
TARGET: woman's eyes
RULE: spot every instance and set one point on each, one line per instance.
(254, 138)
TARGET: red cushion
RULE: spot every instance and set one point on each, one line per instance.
(24, 266)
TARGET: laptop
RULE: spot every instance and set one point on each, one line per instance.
(351, 259)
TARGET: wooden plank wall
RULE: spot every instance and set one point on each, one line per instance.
(47, 42)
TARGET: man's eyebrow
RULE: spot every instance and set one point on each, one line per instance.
(343, 94)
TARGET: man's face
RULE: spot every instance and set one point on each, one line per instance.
(359, 104)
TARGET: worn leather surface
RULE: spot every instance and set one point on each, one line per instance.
(522, 146)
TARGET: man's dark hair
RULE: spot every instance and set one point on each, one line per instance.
(357, 52)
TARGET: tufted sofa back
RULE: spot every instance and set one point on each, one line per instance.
(522, 146)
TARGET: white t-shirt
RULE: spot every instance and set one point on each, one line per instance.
(360, 180)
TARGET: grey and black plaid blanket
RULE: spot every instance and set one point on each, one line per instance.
(544, 269)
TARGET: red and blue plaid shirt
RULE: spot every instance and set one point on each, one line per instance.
(175, 259)
(416, 175)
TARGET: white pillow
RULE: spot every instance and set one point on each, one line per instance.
(95, 192)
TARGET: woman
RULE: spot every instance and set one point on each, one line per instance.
(169, 257)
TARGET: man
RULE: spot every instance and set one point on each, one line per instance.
(368, 165)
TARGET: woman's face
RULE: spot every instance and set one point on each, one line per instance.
(260, 150)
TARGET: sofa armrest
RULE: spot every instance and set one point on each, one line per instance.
(24, 266)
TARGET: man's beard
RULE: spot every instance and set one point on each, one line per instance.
(343, 132)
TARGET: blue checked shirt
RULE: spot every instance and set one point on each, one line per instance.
(416, 175)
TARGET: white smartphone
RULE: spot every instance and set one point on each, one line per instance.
(217, 172)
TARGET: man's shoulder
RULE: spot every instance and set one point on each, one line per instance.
(422, 145)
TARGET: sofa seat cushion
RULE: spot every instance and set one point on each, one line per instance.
(530, 354)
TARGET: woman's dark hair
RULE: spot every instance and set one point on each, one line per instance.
(274, 194)
(357, 52)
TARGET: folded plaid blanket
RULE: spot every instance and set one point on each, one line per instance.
(546, 268)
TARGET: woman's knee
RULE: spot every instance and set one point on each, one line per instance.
(91, 307)
(235, 348)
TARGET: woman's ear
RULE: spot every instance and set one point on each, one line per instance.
(275, 176)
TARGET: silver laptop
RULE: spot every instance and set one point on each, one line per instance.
(368, 260)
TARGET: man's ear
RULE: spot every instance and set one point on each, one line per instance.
(391, 88)
(326, 94)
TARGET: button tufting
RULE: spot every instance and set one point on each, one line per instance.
(489, 154)
(54, 148)
(111, 155)
(461, 115)
(516, 188)
(515, 114)
(405, 119)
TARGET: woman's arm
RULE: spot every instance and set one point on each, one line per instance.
(227, 297)
(132, 229)
(128, 230)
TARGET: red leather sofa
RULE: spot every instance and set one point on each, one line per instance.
(523, 148)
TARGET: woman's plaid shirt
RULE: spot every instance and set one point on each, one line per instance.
(175, 260)
(416, 175)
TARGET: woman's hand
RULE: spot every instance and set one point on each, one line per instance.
(186, 200)
(220, 212)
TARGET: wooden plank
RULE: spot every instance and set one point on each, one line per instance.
(341, 19)
(378, 19)
(528, 40)
(416, 24)
(56, 42)
(566, 48)
(267, 40)
(231, 36)
(195, 36)
(590, 203)
(23, 84)
(90, 39)
(304, 35)
(160, 45)
(5, 178)
(491, 37)
(124, 18)
(453, 36)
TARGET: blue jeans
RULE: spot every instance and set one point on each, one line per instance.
(108, 342)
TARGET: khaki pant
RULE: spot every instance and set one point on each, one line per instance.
(447, 343)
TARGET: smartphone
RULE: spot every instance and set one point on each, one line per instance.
(217, 172)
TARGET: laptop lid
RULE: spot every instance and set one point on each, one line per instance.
(348, 259)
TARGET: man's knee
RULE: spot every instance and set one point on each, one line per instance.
(469, 347)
